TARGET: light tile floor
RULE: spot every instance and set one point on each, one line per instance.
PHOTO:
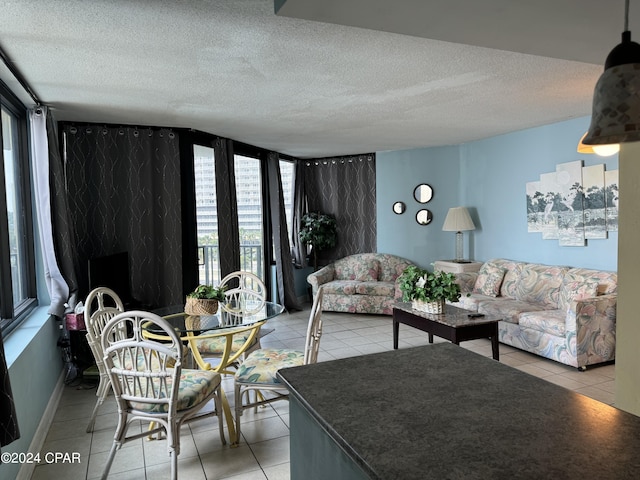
(264, 449)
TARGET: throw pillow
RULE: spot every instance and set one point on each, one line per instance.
(489, 280)
(571, 291)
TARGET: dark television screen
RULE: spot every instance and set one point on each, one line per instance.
(111, 271)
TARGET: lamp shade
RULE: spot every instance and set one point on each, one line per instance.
(458, 220)
(616, 107)
(615, 116)
(601, 150)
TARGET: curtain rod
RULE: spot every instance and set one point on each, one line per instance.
(18, 76)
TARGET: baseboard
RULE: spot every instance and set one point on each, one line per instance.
(40, 435)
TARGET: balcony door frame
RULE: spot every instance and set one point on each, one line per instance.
(188, 139)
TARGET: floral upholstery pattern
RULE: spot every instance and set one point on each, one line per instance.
(489, 280)
(195, 386)
(360, 283)
(215, 345)
(511, 276)
(467, 282)
(341, 287)
(365, 270)
(385, 289)
(540, 284)
(509, 309)
(552, 321)
(262, 365)
(574, 290)
(607, 281)
(562, 313)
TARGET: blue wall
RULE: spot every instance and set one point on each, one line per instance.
(488, 177)
(35, 364)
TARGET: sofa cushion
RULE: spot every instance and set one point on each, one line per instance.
(540, 284)
(341, 287)
(607, 281)
(511, 276)
(507, 308)
(489, 280)
(386, 289)
(576, 290)
(363, 268)
(553, 322)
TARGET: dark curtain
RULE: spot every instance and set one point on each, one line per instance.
(284, 262)
(344, 187)
(62, 225)
(227, 204)
(123, 190)
(9, 430)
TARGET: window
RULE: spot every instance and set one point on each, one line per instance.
(248, 172)
(206, 215)
(17, 278)
(287, 171)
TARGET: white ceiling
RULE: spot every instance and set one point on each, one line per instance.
(370, 75)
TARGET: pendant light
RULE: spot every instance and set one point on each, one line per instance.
(615, 116)
(600, 150)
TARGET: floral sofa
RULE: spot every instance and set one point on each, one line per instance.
(360, 283)
(562, 313)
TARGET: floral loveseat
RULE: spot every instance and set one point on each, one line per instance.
(360, 283)
(562, 313)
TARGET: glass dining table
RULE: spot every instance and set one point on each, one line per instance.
(228, 325)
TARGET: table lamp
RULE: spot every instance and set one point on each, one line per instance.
(458, 220)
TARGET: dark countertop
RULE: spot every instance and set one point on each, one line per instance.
(443, 412)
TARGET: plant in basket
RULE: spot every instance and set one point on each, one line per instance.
(422, 287)
(204, 300)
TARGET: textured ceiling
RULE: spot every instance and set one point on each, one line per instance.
(309, 88)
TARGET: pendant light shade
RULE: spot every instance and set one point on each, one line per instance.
(600, 150)
(615, 116)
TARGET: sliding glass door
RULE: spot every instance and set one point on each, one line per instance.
(206, 215)
(248, 174)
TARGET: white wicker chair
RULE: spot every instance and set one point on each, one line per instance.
(150, 384)
(245, 294)
(101, 305)
(258, 371)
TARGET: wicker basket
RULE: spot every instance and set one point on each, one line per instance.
(428, 307)
(200, 306)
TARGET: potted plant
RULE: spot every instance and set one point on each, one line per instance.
(204, 300)
(428, 291)
(320, 231)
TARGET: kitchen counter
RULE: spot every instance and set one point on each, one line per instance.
(443, 412)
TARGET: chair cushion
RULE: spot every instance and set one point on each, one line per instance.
(489, 280)
(143, 357)
(195, 387)
(262, 365)
(215, 345)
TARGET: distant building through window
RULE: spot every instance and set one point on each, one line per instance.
(250, 221)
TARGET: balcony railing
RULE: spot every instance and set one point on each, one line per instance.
(209, 262)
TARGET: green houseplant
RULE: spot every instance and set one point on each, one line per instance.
(203, 300)
(422, 288)
(320, 231)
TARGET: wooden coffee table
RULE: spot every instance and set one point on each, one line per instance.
(454, 325)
